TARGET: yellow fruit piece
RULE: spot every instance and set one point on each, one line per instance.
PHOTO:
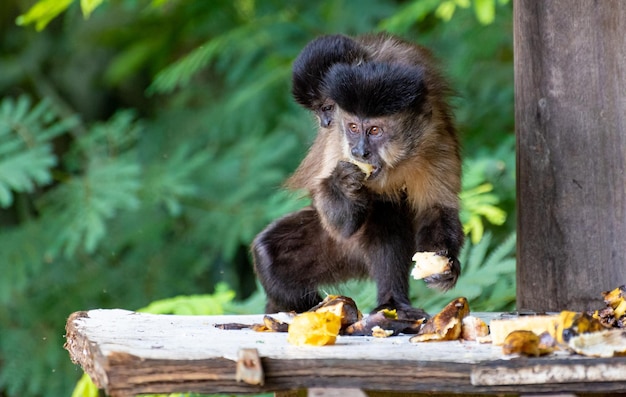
(526, 343)
(378, 332)
(314, 329)
(500, 328)
(365, 167)
(615, 297)
(473, 328)
(571, 324)
(620, 310)
(428, 264)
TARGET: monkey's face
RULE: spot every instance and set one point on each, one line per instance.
(371, 140)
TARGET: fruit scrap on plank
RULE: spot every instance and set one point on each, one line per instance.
(527, 343)
(445, 325)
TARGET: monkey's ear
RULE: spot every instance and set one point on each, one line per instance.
(375, 89)
(314, 61)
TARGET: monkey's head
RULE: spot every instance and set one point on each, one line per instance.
(311, 66)
(379, 111)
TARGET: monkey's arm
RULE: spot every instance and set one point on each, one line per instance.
(441, 231)
(342, 201)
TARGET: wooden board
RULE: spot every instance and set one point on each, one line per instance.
(128, 353)
(570, 119)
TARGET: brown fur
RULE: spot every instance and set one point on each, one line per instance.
(431, 174)
(359, 227)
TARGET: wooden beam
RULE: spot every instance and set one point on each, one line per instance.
(128, 353)
(570, 114)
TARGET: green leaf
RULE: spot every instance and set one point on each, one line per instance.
(485, 11)
(446, 10)
(43, 12)
(180, 73)
(209, 304)
(85, 388)
(23, 171)
(414, 12)
(88, 6)
(26, 154)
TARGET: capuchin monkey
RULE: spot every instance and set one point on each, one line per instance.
(389, 109)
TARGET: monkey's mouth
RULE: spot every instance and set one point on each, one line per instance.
(375, 172)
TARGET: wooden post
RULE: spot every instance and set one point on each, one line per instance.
(570, 114)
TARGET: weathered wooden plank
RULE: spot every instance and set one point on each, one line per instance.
(570, 115)
(129, 353)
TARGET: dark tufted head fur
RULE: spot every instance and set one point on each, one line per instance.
(315, 60)
(375, 89)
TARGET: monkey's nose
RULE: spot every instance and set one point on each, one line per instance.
(360, 153)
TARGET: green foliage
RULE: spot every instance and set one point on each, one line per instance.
(44, 11)
(106, 207)
(207, 304)
(478, 201)
(26, 155)
(418, 10)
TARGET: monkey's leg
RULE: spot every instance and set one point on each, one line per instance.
(389, 244)
(289, 259)
(441, 231)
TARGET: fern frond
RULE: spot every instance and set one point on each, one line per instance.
(500, 253)
(180, 73)
(26, 156)
(171, 181)
(82, 206)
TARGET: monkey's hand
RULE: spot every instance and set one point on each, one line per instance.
(348, 178)
(447, 280)
(342, 201)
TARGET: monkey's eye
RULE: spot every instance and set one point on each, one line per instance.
(327, 108)
(353, 128)
(374, 130)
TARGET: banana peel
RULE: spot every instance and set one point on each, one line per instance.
(572, 324)
(342, 306)
(616, 299)
(614, 314)
(445, 325)
(382, 324)
(607, 343)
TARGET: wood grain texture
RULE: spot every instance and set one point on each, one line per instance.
(128, 353)
(570, 114)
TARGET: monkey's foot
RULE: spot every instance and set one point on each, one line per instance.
(405, 312)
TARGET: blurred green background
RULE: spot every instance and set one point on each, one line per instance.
(143, 144)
